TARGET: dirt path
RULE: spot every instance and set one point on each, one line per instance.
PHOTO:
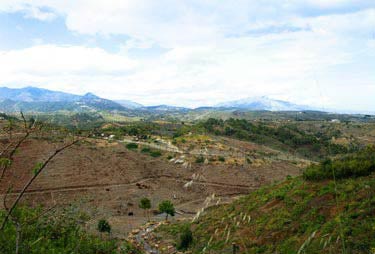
(99, 186)
(140, 238)
(145, 239)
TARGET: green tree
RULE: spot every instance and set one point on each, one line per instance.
(167, 207)
(145, 204)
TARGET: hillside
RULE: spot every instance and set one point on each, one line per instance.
(293, 216)
(205, 164)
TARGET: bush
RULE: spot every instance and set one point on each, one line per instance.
(145, 203)
(132, 146)
(104, 227)
(60, 232)
(221, 158)
(155, 153)
(361, 163)
(146, 150)
(186, 238)
(200, 159)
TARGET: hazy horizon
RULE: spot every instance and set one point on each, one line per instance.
(253, 99)
(194, 53)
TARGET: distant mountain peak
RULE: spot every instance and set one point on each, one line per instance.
(43, 100)
(90, 96)
(263, 103)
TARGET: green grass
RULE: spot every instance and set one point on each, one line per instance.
(55, 232)
(289, 216)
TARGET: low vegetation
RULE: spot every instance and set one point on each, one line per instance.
(286, 136)
(295, 216)
(329, 209)
(352, 165)
(132, 146)
(54, 232)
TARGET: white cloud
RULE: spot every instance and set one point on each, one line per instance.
(37, 13)
(54, 67)
(296, 50)
(173, 23)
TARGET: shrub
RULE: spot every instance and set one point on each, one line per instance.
(155, 153)
(221, 158)
(146, 150)
(132, 146)
(200, 159)
(358, 164)
(145, 203)
(186, 238)
(60, 232)
(104, 227)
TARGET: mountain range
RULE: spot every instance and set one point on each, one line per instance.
(32, 99)
(263, 103)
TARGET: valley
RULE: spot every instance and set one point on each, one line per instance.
(196, 165)
(187, 127)
(111, 178)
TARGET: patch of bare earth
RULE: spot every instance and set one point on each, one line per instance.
(108, 180)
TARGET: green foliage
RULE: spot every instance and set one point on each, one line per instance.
(146, 150)
(5, 162)
(60, 232)
(141, 130)
(37, 168)
(285, 136)
(132, 146)
(155, 153)
(199, 159)
(127, 248)
(167, 207)
(145, 203)
(221, 158)
(283, 217)
(104, 227)
(358, 164)
(186, 238)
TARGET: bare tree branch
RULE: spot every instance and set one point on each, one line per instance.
(6, 149)
(24, 120)
(28, 130)
(40, 169)
(11, 154)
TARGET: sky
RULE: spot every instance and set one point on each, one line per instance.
(194, 52)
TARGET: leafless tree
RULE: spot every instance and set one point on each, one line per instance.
(6, 162)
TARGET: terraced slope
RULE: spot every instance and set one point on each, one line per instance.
(294, 216)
